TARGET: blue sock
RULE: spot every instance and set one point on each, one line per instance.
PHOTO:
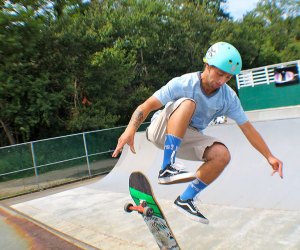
(172, 143)
(193, 189)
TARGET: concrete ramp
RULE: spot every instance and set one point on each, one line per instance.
(247, 208)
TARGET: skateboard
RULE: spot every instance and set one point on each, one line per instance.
(146, 205)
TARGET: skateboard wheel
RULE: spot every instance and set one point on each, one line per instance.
(143, 203)
(127, 207)
(148, 211)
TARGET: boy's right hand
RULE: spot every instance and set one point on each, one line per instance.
(124, 139)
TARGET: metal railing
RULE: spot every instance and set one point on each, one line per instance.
(41, 164)
(262, 75)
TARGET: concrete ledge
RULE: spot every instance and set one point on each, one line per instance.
(289, 112)
(274, 113)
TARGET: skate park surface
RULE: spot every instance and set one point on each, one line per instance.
(246, 206)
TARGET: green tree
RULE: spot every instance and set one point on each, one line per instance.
(281, 27)
(36, 83)
(70, 66)
(20, 31)
(292, 50)
(214, 7)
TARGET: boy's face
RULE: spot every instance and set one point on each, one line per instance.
(217, 77)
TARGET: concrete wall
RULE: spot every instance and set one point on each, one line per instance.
(269, 96)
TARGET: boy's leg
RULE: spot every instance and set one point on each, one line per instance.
(171, 125)
(160, 126)
(217, 157)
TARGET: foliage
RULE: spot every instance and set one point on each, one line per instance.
(72, 66)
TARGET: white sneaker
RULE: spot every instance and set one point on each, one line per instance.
(189, 209)
(174, 174)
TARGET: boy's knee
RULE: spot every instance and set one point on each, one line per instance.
(218, 152)
(185, 109)
(189, 103)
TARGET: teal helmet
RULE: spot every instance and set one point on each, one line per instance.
(225, 57)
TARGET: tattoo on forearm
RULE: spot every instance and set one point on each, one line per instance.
(137, 118)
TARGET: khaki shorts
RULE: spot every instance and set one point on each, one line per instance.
(193, 143)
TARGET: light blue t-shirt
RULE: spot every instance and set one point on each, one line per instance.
(224, 101)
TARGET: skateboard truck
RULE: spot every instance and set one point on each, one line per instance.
(142, 208)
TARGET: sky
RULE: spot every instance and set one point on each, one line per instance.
(237, 8)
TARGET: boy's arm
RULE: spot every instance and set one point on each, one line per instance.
(137, 118)
(258, 143)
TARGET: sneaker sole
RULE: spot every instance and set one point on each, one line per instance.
(190, 216)
(177, 178)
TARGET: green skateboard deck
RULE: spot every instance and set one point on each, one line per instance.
(146, 204)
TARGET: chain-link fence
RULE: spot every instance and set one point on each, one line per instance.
(46, 163)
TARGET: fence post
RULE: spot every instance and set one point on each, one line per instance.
(298, 67)
(86, 154)
(237, 81)
(34, 165)
(252, 78)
